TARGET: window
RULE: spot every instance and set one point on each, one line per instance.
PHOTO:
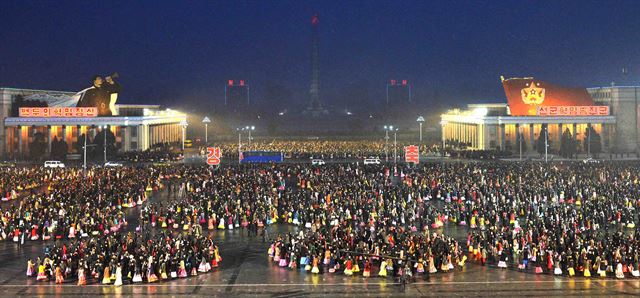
(134, 145)
(134, 132)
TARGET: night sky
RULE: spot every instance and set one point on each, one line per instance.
(182, 52)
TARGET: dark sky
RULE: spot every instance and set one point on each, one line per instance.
(184, 51)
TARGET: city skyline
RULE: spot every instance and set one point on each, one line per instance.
(449, 52)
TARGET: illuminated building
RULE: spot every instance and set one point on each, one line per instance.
(29, 113)
(534, 105)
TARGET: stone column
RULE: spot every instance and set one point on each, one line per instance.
(48, 128)
(19, 129)
(532, 136)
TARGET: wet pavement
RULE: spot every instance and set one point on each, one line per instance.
(246, 271)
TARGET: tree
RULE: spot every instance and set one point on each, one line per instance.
(58, 149)
(99, 142)
(596, 143)
(567, 144)
(38, 147)
(540, 142)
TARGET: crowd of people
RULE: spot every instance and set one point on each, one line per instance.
(374, 220)
(76, 204)
(347, 213)
(161, 152)
(565, 219)
(327, 149)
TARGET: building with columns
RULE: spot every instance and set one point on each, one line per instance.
(534, 106)
(135, 127)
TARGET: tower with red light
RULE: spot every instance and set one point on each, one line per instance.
(398, 91)
(314, 90)
(236, 94)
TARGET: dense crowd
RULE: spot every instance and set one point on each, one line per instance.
(327, 149)
(162, 152)
(76, 204)
(380, 220)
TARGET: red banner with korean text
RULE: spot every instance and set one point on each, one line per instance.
(573, 111)
(213, 156)
(50, 112)
(412, 154)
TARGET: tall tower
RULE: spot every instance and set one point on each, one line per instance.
(314, 90)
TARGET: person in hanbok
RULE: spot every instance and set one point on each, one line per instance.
(30, 268)
(59, 276)
(348, 267)
(367, 269)
(383, 268)
(315, 269)
(118, 281)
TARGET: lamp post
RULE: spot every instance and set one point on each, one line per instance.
(387, 128)
(206, 122)
(443, 124)
(104, 144)
(184, 125)
(395, 146)
(520, 140)
(250, 128)
(546, 144)
(239, 130)
(84, 165)
(588, 140)
(420, 120)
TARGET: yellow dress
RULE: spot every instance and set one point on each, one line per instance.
(383, 269)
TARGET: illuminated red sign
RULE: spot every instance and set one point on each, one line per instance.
(412, 154)
(58, 112)
(213, 156)
(573, 111)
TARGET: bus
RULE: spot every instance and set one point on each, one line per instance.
(261, 156)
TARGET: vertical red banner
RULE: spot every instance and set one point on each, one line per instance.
(412, 154)
(213, 156)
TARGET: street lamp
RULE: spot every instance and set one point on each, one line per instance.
(546, 143)
(250, 128)
(387, 128)
(84, 164)
(420, 120)
(184, 125)
(206, 122)
(239, 130)
(588, 140)
(395, 146)
(520, 140)
(104, 144)
(443, 123)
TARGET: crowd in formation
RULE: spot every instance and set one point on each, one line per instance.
(327, 149)
(374, 220)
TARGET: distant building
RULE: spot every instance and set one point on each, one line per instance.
(29, 114)
(398, 92)
(623, 104)
(534, 107)
(236, 94)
